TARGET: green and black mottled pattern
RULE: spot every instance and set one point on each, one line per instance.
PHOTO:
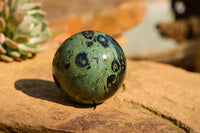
(89, 67)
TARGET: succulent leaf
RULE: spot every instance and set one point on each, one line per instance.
(15, 20)
(2, 24)
(6, 2)
(36, 30)
(29, 6)
(43, 36)
(21, 38)
(12, 3)
(22, 28)
(1, 6)
(16, 55)
(38, 14)
(2, 50)
(28, 23)
(2, 38)
(5, 58)
(6, 12)
(27, 49)
(11, 44)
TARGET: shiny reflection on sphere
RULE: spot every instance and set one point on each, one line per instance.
(89, 67)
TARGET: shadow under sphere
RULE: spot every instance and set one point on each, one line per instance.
(45, 90)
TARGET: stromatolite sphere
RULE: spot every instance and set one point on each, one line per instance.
(89, 67)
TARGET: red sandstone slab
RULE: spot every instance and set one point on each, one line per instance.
(30, 102)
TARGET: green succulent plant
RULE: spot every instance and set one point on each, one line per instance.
(22, 29)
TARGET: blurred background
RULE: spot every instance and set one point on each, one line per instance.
(166, 31)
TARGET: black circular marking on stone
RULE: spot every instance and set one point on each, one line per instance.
(88, 34)
(88, 67)
(89, 43)
(67, 65)
(120, 53)
(123, 65)
(115, 66)
(116, 45)
(81, 60)
(56, 81)
(102, 40)
(110, 80)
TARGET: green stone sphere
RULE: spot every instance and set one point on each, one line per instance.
(89, 67)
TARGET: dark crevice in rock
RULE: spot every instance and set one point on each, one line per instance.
(176, 122)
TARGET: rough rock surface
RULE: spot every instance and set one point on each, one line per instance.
(111, 17)
(154, 98)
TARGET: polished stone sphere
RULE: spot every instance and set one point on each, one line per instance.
(89, 67)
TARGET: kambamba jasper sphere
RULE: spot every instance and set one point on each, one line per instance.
(89, 67)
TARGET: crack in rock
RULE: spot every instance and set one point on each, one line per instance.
(176, 122)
